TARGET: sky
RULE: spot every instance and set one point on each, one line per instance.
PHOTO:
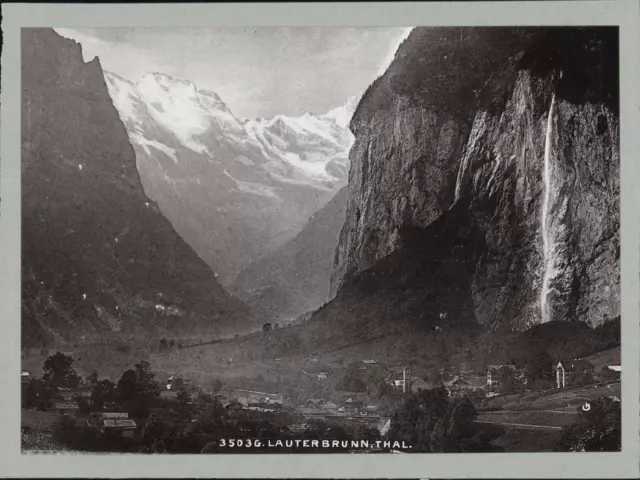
(257, 72)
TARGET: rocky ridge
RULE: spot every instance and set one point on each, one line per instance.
(100, 261)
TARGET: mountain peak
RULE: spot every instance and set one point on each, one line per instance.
(342, 114)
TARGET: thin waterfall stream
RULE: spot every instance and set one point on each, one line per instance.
(547, 241)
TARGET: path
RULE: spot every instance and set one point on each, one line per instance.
(522, 426)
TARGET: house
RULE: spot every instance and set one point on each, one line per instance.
(123, 427)
(384, 427)
(25, 377)
(370, 410)
(111, 406)
(111, 415)
(274, 401)
(351, 406)
(169, 394)
(498, 374)
(174, 382)
(68, 408)
(414, 383)
(221, 397)
(461, 385)
(68, 394)
(615, 368)
(475, 382)
(314, 402)
(568, 370)
(322, 376)
(417, 383)
(311, 412)
(369, 362)
(330, 406)
(234, 408)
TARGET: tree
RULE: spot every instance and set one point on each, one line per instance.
(58, 371)
(351, 380)
(163, 343)
(607, 374)
(217, 386)
(266, 327)
(172, 343)
(138, 389)
(102, 392)
(460, 428)
(92, 378)
(144, 373)
(154, 435)
(509, 385)
(420, 415)
(39, 394)
(583, 378)
(431, 422)
(539, 366)
(598, 429)
(127, 386)
(183, 397)
(83, 405)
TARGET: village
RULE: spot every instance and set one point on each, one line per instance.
(501, 389)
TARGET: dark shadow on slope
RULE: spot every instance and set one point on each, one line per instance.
(423, 285)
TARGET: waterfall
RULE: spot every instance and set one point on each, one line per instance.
(547, 246)
(461, 171)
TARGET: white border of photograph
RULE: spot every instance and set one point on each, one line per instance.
(624, 13)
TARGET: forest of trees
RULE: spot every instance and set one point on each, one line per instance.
(430, 421)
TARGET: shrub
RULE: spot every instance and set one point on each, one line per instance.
(598, 429)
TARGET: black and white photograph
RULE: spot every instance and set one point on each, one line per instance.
(290, 240)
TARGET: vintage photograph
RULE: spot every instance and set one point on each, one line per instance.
(320, 240)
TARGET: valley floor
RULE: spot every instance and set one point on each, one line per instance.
(258, 362)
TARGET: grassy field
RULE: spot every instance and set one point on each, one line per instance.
(605, 358)
(38, 421)
(527, 440)
(273, 363)
(571, 399)
(530, 418)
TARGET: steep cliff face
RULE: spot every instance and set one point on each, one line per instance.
(99, 259)
(519, 129)
(295, 278)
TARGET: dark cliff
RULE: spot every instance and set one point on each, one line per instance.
(508, 138)
(98, 258)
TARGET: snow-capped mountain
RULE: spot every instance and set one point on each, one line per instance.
(234, 189)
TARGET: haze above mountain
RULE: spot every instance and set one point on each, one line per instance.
(258, 71)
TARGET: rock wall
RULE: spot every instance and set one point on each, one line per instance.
(99, 259)
(460, 119)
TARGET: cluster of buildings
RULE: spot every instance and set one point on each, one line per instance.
(251, 400)
(318, 408)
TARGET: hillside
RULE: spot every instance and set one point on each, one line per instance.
(295, 278)
(99, 258)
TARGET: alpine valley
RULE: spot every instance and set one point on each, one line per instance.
(234, 189)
